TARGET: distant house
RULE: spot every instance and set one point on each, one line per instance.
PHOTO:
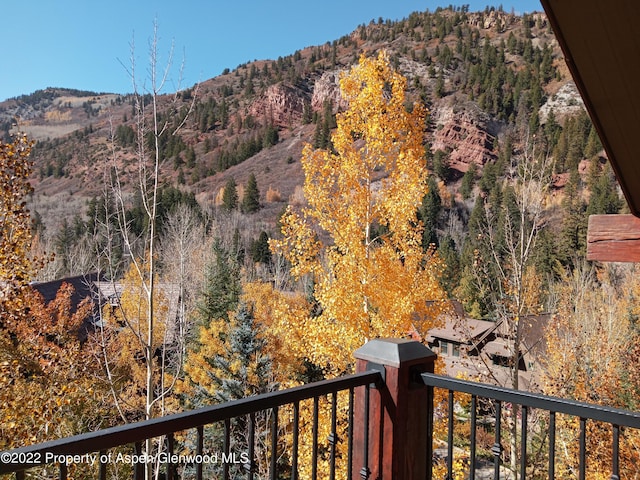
(483, 348)
(83, 286)
(103, 293)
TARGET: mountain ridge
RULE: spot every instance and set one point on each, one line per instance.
(449, 57)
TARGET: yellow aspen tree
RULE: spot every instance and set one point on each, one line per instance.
(130, 355)
(359, 236)
(281, 314)
(47, 387)
(594, 335)
(17, 268)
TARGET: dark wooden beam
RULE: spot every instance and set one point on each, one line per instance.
(613, 238)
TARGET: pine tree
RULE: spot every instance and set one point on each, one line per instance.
(230, 196)
(242, 369)
(468, 181)
(260, 249)
(251, 198)
(429, 213)
(231, 363)
(604, 197)
(451, 258)
(222, 290)
(572, 245)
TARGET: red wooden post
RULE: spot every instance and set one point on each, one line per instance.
(613, 238)
(398, 417)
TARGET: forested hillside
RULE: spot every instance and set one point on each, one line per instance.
(249, 229)
(495, 85)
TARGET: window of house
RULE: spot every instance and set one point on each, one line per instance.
(456, 349)
(500, 361)
(444, 348)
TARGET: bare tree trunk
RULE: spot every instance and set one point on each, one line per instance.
(153, 337)
(530, 178)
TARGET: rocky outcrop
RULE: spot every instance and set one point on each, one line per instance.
(565, 102)
(327, 87)
(281, 104)
(466, 133)
(493, 19)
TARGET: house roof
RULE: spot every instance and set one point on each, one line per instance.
(82, 285)
(602, 50)
(461, 330)
(497, 347)
(474, 368)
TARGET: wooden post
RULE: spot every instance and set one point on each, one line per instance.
(613, 238)
(398, 417)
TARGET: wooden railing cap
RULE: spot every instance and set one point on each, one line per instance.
(395, 352)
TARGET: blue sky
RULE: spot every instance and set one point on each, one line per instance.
(85, 44)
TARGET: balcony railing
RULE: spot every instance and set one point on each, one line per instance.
(96, 447)
(391, 419)
(527, 402)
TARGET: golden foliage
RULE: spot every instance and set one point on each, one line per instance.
(273, 195)
(591, 339)
(359, 236)
(47, 385)
(16, 266)
(46, 374)
(283, 316)
(130, 352)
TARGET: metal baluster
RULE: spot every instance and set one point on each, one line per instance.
(615, 467)
(139, 467)
(294, 447)
(429, 428)
(199, 450)
(523, 442)
(472, 453)
(102, 469)
(274, 442)
(552, 444)
(333, 438)
(450, 438)
(350, 436)
(314, 464)
(252, 433)
(497, 447)
(583, 449)
(170, 465)
(364, 471)
(226, 446)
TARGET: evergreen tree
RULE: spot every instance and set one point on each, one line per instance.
(429, 213)
(551, 131)
(441, 164)
(439, 88)
(468, 180)
(190, 157)
(307, 114)
(243, 369)
(63, 242)
(604, 197)
(270, 137)
(451, 258)
(222, 289)
(230, 196)
(231, 363)
(593, 145)
(260, 251)
(572, 245)
(251, 198)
